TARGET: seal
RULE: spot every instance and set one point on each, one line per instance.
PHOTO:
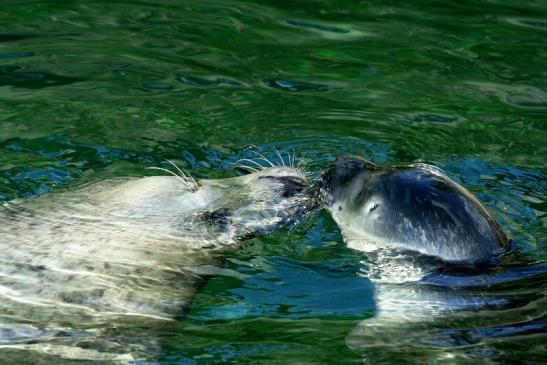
(416, 226)
(81, 269)
(415, 207)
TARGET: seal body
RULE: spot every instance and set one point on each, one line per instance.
(414, 207)
(81, 269)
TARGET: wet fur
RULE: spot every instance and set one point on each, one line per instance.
(84, 266)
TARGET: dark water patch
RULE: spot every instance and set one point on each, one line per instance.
(225, 353)
(41, 181)
(58, 146)
(50, 174)
(34, 182)
(534, 326)
(240, 339)
(316, 26)
(516, 276)
(21, 54)
(202, 81)
(10, 76)
(14, 37)
(157, 86)
(58, 161)
(516, 196)
(527, 100)
(428, 118)
(290, 292)
(298, 86)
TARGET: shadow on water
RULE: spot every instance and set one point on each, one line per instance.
(14, 37)
(13, 76)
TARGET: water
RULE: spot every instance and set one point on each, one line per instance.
(96, 89)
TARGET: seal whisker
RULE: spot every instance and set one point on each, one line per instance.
(189, 176)
(268, 161)
(248, 168)
(186, 176)
(289, 158)
(176, 167)
(279, 154)
(172, 173)
(264, 158)
(251, 161)
(302, 166)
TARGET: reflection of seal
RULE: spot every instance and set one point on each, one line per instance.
(89, 266)
(415, 207)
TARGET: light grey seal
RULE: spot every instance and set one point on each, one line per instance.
(415, 207)
(94, 273)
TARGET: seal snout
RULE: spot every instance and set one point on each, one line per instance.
(339, 174)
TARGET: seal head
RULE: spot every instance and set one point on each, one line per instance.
(415, 207)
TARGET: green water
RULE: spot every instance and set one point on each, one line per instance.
(94, 89)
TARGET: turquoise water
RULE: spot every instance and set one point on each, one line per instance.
(96, 89)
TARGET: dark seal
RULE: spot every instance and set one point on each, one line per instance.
(414, 207)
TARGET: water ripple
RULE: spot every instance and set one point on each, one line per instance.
(11, 75)
(296, 86)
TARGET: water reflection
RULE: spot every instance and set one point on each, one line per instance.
(451, 314)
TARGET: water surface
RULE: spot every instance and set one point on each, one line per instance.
(97, 89)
